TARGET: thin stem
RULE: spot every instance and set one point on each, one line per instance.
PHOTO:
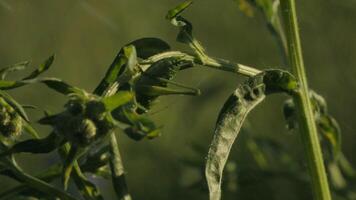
(304, 107)
(38, 184)
(117, 170)
(116, 164)
(215, 63)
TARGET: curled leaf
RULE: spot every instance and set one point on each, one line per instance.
(232, 115)
(328, 127)
(42, 68)
(229, 123)
(185, 34)
(12, 68)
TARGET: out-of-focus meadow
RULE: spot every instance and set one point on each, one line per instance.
(86, 36)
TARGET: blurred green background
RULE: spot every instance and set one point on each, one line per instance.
(86, 35)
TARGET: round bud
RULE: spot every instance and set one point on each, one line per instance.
(75, 107)
(95, 110)
(10, 121)
(85, 132)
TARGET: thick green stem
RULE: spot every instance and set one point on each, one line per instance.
(305, 113)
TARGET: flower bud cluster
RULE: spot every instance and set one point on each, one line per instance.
(84, 121)
(10, 120)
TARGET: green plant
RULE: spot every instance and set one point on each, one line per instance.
(84, 133)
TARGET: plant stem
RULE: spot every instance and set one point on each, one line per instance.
(36, 183)
(117, 170)
(215, 63)
(304, 107)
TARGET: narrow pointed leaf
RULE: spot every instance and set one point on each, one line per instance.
(44, 145)
(68, 165)
(159, 74)
(42, 68)
(61, 86)
(178, 9)
(147, 47)
(12, 68)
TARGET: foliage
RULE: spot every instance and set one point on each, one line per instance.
(84, 132)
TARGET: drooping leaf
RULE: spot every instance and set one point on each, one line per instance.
(231, 117)
(61, 86)
(327, 125)
(42, 68)
(12, 68)
(229, 123)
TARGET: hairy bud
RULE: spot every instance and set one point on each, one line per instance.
(10, 121)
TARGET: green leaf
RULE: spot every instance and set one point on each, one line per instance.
(147, 47)
(159, 75)
(42, 68)
(178, 10)
(115, 69)
(61, 86)
(140, 126)
(30, 130)
(71, 158)
(229, 123)
(87, 189)
(12, 68)
(44, 145)
(117, 100)
(6, 85)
